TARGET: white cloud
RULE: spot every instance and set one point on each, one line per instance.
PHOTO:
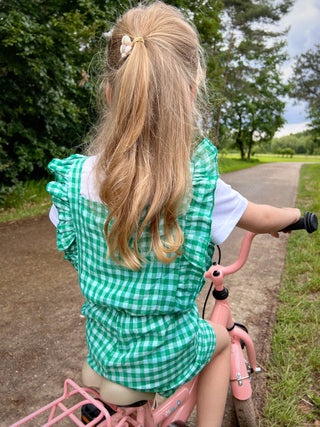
(291, 128)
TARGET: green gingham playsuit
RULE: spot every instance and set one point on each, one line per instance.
(143, 327)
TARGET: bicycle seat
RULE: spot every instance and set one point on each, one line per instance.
(112, 392)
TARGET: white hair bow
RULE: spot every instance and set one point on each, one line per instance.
(126, 46)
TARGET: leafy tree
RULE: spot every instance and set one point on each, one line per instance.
(306, 77)
(254, 109)
(251, 85)
(46, 50)
(306, 85)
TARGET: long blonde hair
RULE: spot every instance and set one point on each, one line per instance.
(144, 139)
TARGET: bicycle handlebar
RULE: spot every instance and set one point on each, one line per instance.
(308, 222)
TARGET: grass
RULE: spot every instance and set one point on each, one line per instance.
(25, 200)
(271, 158)
(231, 162)
(293, 397)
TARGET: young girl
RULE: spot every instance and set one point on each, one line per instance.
(139, 217)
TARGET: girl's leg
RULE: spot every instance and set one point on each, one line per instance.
(214, 381)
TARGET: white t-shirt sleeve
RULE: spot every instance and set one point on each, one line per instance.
(228, 208)
(87, 187)
(53, 215)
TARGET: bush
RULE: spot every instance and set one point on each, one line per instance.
(46, 86)
(286, 152)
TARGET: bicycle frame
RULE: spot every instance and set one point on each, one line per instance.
(180, 405)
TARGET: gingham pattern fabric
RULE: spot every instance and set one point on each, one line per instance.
(143, 328)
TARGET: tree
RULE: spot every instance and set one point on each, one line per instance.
(46, 50)
(306, 77)
(254, 109)
(206, 17)
(251, 85)
(306, 85)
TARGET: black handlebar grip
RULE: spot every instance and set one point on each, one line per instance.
(308, 222)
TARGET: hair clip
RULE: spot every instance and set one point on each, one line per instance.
(127, 45)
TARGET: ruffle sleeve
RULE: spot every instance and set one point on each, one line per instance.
(60, 194)
(205, 174)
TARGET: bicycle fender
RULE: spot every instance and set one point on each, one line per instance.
(240, 334)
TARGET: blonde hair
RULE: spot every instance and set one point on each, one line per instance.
(144, 139)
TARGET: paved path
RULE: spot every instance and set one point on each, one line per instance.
(42, 332)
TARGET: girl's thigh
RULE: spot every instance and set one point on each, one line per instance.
(222, 338)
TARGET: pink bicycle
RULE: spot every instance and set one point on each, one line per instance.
(85, 406)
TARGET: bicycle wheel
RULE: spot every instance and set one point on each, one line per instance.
(245, 412)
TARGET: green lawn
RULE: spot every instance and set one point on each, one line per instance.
(231, 162)
(293, 393)
(268, 158)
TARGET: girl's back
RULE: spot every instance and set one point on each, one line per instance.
(142, 247)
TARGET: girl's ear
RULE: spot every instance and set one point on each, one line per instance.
(108, 93)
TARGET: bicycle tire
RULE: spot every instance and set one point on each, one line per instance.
(245, 412)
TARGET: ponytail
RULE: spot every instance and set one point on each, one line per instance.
(144, 140)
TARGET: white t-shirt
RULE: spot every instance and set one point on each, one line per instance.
(228, 208)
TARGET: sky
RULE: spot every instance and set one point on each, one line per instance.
(304, 23)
